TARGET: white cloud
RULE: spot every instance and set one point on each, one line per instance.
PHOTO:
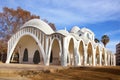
(82, 11)
(111, 33)
(69, 11)
(112, 45)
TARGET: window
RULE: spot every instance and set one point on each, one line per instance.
(51, 57)
(36, 58)
(25, 55)
(80, 34)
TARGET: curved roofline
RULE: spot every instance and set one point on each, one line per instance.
(38, 23)
(74, 29)
(86, 29)
(63, 32)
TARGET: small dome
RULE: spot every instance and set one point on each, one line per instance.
(75, 29)
(38, 23)
(63, 32)
(86, 30)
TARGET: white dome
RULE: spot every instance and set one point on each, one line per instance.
(63, 32)
(75, 29)
(86, 30)
(40, 25)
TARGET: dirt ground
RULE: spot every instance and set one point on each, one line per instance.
(39, 72)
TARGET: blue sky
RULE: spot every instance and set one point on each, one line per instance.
(101, 16)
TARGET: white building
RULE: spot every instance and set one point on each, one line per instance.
(37, 43)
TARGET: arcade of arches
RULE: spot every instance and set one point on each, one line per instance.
(37, 43)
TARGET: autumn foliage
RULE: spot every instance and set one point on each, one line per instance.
(10, 22)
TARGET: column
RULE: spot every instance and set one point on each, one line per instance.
(40, 37)
(46, 60)
(47, 56)
(76, 58)
(20, 54)
(42, 42)
(100, 54)
(114, 64)
(46, 45)
(109, 59)
(85, 56)
(94, 57)
(112, 59)
(64, 53)
(105, 58)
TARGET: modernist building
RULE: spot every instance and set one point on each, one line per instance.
(118, 54)
(37, 43)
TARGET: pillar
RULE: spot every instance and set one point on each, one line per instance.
(85, 56)
(46, 45)
(46, 60)
(65, 51)
(105, 58)
(94, 58)
(109, 59)
(100, 54)
(77, 61)
(20, 54)
(114, 58)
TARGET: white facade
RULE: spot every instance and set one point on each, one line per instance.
(37, 43)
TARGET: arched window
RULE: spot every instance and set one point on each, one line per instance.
(36, 58)
(80, 34)
(25, 56)
(51, 57)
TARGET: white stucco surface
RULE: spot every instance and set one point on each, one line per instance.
(40, 25)
(74, 48)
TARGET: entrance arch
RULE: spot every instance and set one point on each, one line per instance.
(55, 53)
(21, 43)
(81, 52)
(97, 58)
(36, 57)
(71, 52)
(27, 47)
(90, 54)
